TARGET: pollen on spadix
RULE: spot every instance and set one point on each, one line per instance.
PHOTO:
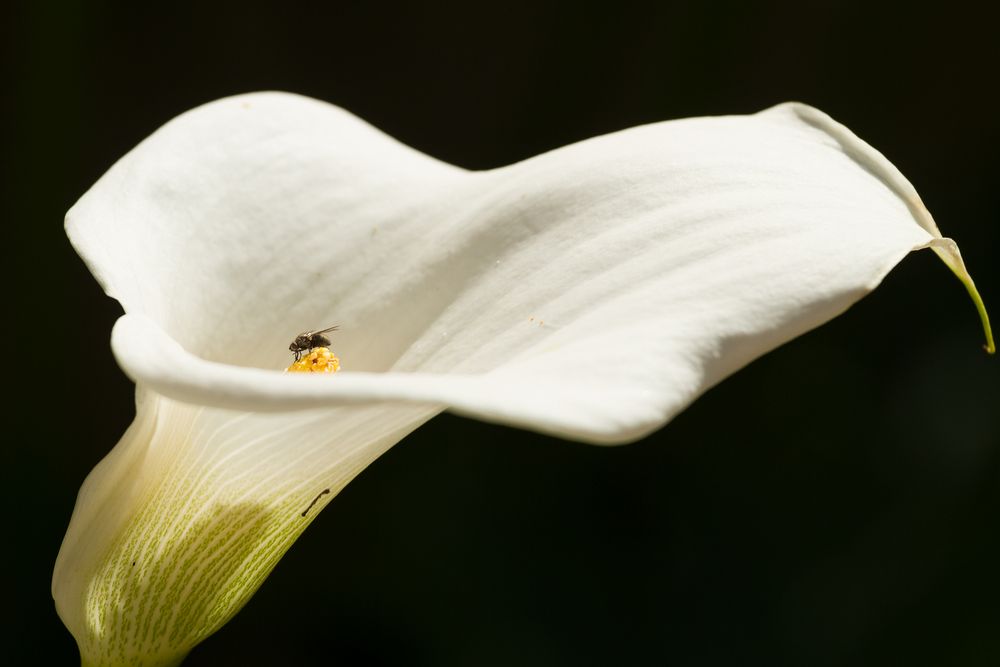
(319, 360)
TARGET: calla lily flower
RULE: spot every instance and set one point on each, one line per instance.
(592, 293)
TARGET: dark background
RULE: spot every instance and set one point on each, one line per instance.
(833, 504)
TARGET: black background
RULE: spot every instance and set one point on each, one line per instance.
(833, 504)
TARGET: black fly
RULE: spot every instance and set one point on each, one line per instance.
(308, 340)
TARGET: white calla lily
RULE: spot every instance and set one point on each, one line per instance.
(591, 292)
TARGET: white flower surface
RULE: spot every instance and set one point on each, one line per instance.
(591, 292)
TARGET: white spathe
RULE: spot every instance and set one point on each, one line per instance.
(591, 292)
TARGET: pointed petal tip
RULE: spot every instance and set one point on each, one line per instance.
(947, 250)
